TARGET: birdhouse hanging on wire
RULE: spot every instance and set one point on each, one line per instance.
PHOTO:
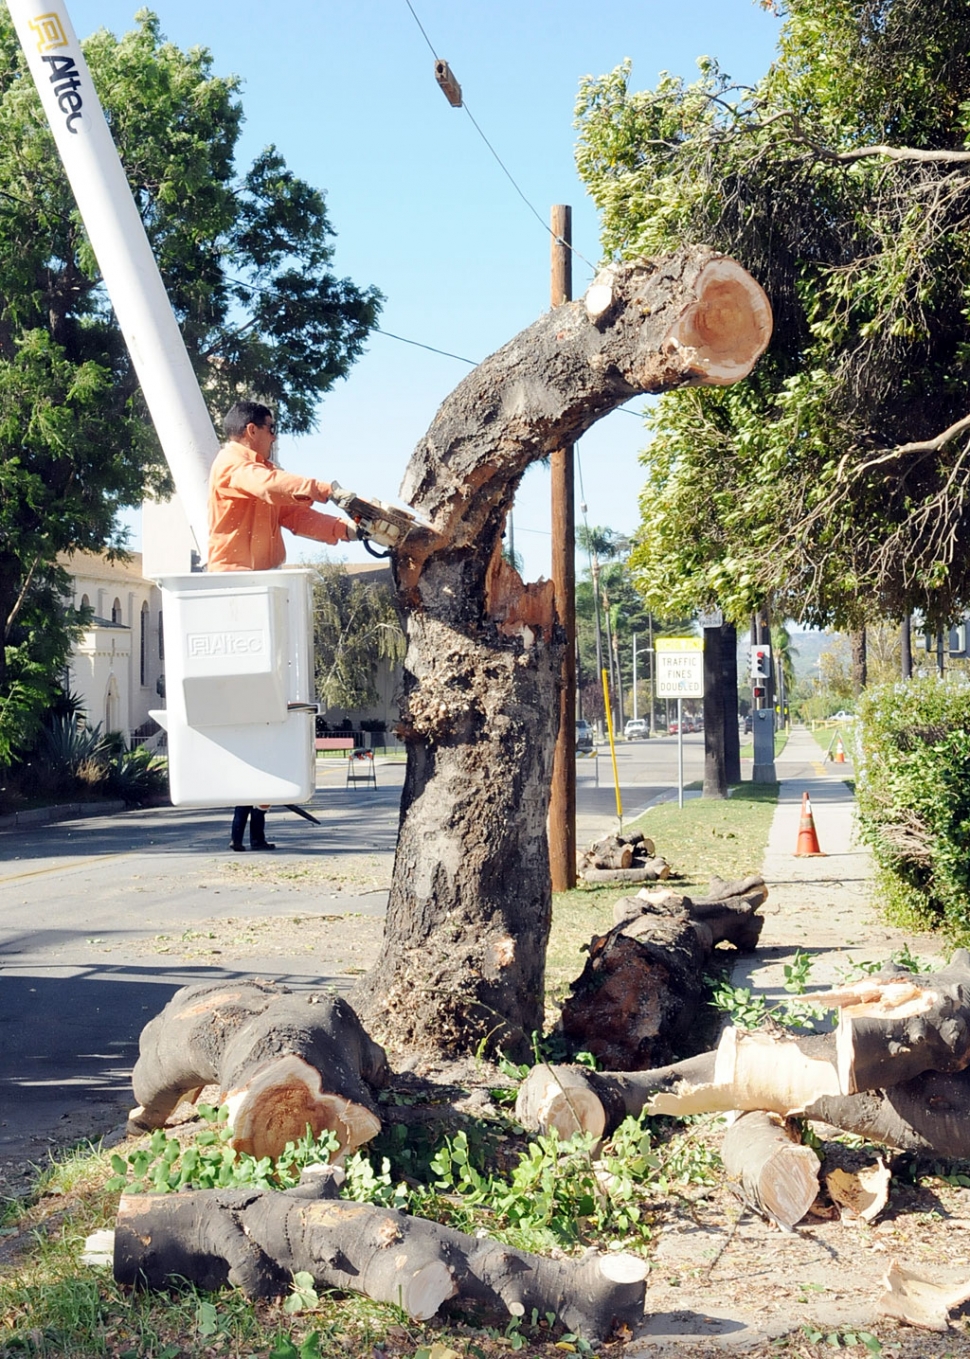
(445, 78)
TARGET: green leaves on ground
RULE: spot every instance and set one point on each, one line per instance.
(209, 1162)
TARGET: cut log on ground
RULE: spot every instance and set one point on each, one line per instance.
(282, 1061)
(775, 1174)
(641, 998)
(929, 1114)
(892, 1028)
(746, 1071)
(641, 993)
(468, 917)
(731, 918)
(259, 1239)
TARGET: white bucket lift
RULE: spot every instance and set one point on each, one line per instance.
(239, 688)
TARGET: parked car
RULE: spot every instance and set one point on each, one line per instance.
(674, 727)
(842, 716)
(584, 735)
(636, 729)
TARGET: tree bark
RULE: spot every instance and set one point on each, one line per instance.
(462, 961)
(259, 1239)
(282, 1061)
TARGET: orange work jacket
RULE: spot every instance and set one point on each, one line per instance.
(250, 500)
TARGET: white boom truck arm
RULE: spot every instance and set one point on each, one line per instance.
(239, 671)
(124, 255)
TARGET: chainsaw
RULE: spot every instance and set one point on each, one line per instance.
(375, 521)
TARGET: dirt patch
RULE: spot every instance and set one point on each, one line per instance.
(347, 942)
(358, 876)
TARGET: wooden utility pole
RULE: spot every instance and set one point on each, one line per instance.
(562, 801)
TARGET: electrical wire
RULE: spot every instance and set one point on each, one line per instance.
(505, 169)
(418, 345)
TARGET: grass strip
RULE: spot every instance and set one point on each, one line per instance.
(707, 837)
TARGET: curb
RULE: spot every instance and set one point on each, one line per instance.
(66, 811)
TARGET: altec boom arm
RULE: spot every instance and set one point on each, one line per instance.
(124, 255)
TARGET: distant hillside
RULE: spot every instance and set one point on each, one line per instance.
(809, 646)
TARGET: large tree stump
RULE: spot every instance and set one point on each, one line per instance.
(282, 1061)
(259, 1239)
(462, 961)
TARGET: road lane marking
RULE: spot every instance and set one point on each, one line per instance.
(65, 867)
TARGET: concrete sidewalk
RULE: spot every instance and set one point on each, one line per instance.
(823, 906)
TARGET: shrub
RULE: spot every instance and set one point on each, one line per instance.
(136, 775)
(913, 789)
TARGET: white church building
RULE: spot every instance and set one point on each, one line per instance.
(115, 667)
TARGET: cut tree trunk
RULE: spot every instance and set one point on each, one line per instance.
(281, 1060)
(641, 996)
(730, 911)
(745, 1071)
(775, 1174)
(259, 1239)
(930, 1113)
(462, 961)
(638, 999)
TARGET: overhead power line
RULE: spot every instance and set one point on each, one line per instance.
(461, 103)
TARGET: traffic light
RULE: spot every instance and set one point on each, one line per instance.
(761, 661)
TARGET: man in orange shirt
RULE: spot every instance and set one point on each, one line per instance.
(250, 500)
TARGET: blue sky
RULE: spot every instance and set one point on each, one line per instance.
(346, 91)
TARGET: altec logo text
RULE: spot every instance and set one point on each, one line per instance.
(67, 84)
(225, 643)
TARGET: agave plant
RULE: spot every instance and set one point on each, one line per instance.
(136, 774)
(67, 745)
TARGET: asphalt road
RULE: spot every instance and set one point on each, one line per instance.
(103, 918)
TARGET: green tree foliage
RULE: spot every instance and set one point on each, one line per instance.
(357, 628)
(914, 801)
(246, 258)
(835, 480)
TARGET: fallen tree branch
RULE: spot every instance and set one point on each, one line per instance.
(259, 1239)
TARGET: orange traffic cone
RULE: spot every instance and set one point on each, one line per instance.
(839, 756)
(807, 846)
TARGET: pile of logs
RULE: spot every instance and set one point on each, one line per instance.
(622, 858)
(896, 1071)
(282, 1062)
(641, 998)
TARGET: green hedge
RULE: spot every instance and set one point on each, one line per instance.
(913, 790)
